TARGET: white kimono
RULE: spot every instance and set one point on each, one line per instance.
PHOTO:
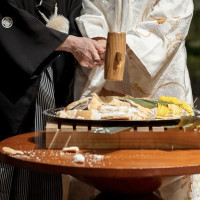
(155, 59)
(156, 55)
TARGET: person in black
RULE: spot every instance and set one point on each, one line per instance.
(32, 53)
(27, 48)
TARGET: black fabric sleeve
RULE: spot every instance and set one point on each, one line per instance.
(28, 42)
(26, 48)
(64, 67)
(71, 9)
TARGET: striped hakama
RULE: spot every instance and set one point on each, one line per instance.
(21, 184)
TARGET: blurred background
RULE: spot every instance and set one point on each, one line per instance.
(193, 51)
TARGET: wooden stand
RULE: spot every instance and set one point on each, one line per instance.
(125, 171)
(115, 56)
(125, 138)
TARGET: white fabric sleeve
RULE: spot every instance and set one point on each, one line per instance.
(92, 22)
(154, 41)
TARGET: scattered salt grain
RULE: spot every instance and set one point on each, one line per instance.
(78, 158)
(98, 157)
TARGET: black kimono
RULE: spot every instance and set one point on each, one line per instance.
(27, 48)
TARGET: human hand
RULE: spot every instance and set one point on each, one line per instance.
(102, 42)
(85, 50)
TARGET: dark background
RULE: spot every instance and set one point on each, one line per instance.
(193, 51)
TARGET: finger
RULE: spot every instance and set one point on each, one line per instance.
(98, 47)
(84, 59)
(97, 64)
(101, 50)
(102, 56)
(88, 56)
(95, 56)
(101, 62)
(92, 65)
(86, 64)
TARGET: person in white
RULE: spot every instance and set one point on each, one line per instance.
(155, 60)
(155, 56)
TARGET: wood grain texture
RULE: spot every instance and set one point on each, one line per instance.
(127, 138)
(125, 171)
(115, 56)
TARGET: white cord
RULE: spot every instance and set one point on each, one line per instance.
(43, 16)
(56, 9)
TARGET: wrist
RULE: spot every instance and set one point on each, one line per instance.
(68, 44)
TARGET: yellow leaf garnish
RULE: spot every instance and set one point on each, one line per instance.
(176, 101)
(163, 111)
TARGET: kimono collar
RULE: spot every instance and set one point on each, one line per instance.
(52, 18)
(46, 7)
